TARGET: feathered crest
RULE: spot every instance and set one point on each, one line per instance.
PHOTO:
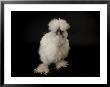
(54, 24)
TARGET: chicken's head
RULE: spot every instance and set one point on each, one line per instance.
(59, 26)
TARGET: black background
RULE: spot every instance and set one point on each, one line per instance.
(27, 28)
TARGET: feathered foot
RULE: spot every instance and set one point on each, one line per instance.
(61, 64)
(42, 69)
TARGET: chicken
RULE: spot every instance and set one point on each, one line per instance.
(54, 46)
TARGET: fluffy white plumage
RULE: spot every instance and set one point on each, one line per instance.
(54, 24)
(54, 46)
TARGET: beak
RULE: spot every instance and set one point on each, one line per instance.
(59, 32)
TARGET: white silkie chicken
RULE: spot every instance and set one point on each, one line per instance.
(54, 46)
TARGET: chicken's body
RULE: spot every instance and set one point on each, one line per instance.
(54, 48)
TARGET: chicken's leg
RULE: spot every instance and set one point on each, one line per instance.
(61, 64)
(42, 69)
